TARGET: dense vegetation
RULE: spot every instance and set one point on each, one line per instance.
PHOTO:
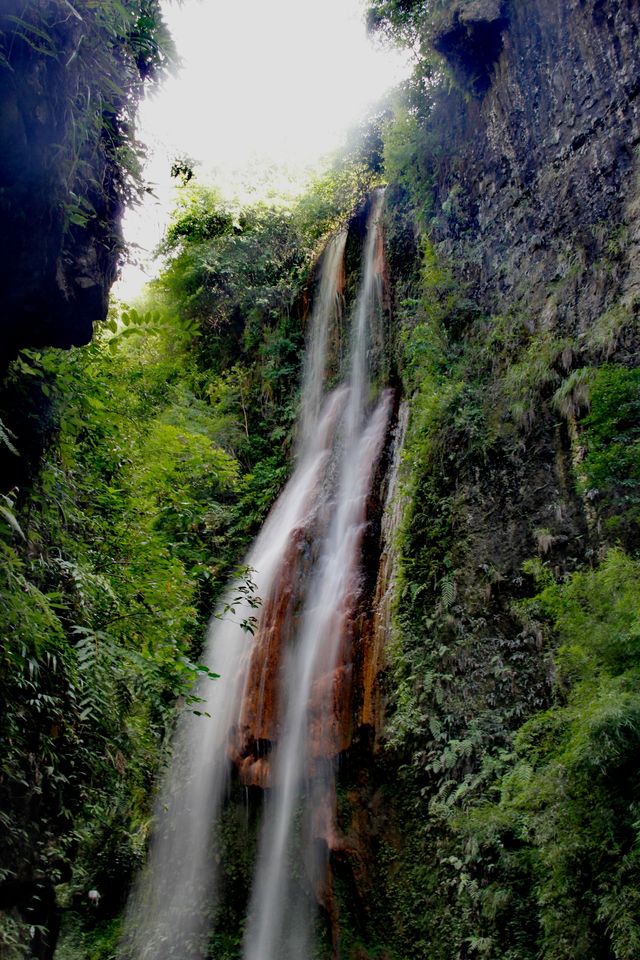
(515, 690)
(509, 771)
(514, 662)
(169, 437)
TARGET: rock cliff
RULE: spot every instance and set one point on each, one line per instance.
(70, 77)
(513, 243)
(537, 181)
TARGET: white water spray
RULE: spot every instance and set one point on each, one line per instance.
(325, 315)
(277, 920)
(341, 438)
(170, 911)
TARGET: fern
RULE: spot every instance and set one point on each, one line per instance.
(573, 397)
(6, 512)
(447, 592)
(7, 438)
(96, 657)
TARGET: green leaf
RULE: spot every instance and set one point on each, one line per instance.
(11, 520)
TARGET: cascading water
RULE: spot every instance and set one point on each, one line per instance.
(277, 713)
(326, 311)
(273, 931)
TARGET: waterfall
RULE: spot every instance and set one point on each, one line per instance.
(275, 930)
(326, 312)
(277, 715)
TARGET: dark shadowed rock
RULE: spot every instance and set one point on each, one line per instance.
(537, 187)
(471, 41)
(69, 80)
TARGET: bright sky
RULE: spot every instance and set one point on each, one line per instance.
(263, 83)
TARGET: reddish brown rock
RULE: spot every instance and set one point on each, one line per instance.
(330, 714)
(259, 715)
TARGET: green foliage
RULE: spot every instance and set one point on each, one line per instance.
(533, 374)
(610, 471)
(334, 197)
(534, 854)
(235, 277)
(518, 763)
(232, 273)
(171, 436)
(608, 331)
(408, 153)
(199, 216)
(84, 939)
(574, 395)
(413, 145)
(496, 881)
(111, 566)
(407, 23)
(565, 824)
(7, 438)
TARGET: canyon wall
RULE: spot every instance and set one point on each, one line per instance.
(537, 172)
(512, 238)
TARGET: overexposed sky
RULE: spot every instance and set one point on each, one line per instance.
(264, 84)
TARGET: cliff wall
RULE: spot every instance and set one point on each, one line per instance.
(537, 178)
(512, 228)
(70, 79)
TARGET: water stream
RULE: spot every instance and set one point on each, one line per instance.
(276, 712)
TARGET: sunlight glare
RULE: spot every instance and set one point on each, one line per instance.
(263, 86)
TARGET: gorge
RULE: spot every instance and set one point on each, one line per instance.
(391, 435)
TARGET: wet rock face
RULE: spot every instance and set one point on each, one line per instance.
(538, 192)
